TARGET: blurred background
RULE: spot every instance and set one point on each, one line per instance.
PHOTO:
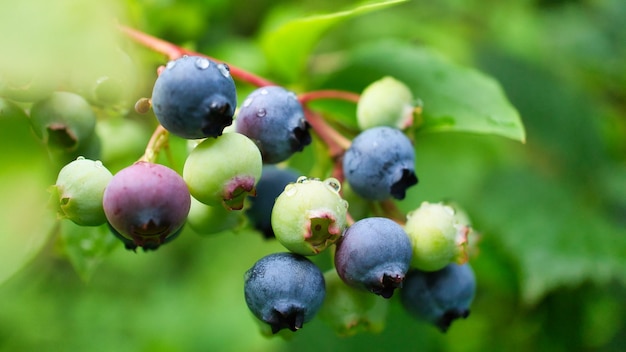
(552, 211)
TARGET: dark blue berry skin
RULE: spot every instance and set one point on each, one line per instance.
(284, 290)
(380, 164)
(194, 97)
(274, 119)
(271, 184)
(374, 254)
(439, 297)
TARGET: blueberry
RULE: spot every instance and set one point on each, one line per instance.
(274, 119)
(223, 171)
(380, 164)
(271, 184)
(374, 254)
(439, 297)
(146, 203)
(309, 215)
(385, 102)
(194, 97)
(78, 192)
(437, 236)
(284, 290)
(63, 121)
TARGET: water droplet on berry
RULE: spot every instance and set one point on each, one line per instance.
(170, 65)
(264, 92)
(80, 158)
(261, 112)
(293, 95)
(202, 63)
(333, 184)
(224, 70)
(247, 102)
(302, 179)
(98, 163)
(290, 190)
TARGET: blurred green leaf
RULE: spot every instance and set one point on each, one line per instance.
(25, 222)
(288, 47)
(455, 98)
(86, 246)
(555, 236)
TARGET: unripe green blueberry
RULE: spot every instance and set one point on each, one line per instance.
(205, 219)
(309, 215)
(78, 192)
(386, 102)
(436, 236)
(350, 311)
(224, 170)
(63, 121)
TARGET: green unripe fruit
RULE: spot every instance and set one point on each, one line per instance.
(205, 219)
(78, 192)
(350, 311)
(63, 121)
(436, 236)
(309, 215)
(224, 170)
(386, 102)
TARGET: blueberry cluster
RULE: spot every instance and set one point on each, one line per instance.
(243, 177)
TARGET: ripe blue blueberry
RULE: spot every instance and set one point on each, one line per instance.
(374, 254)
(271, 184)
(194, 97)
(439, 297)
(380, 164)
(284, 290)
(146, 203)
(274, 119)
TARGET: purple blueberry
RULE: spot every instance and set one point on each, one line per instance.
(194, 97)
(439, 297)
(284, 290)
(146, 203)
(380, 164)
(374, 254)
(274, 119)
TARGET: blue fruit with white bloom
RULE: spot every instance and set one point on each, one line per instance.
(439, 297)
(380, 164)
(284, 290)
(194, 97)
(374, 254)
(274, 119)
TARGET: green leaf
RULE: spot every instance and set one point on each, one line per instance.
(288, 46)
(86, 246)
(25, 221)
(455, 98)
(555, 236)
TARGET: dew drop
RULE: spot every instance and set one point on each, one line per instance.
(98, 163)
(247, 102)
(224, 70)
(170, 65)
(293, 95)
(290, 190)
(302, 179)
(333, 184)
(344, 203)
(264, 92)
(80, 158)
(261, 112)
(202, 63)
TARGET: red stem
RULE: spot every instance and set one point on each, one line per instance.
(329, 94)
(174, 52)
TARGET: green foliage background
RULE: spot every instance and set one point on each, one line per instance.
(552, 211)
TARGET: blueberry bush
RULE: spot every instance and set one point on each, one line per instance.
(304, 176)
